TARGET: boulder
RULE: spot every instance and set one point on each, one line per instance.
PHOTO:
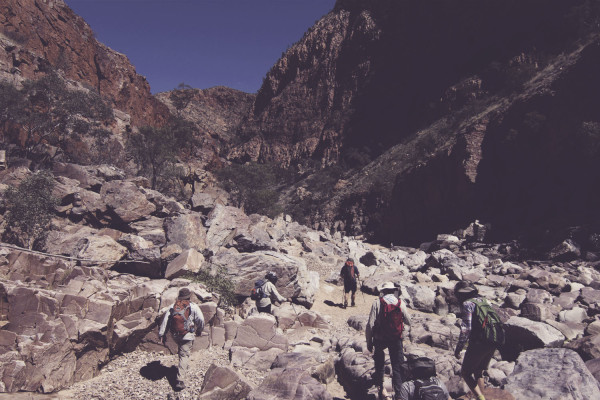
(358, 322)
(253, 358)
(151, 229)
(223, 383)
(525, 334)
(187, 262)
(223, 224)
(260, 331)
(568, 250)
(206, 200)
(588, 347)
(563, 368)
(290, 384)
(295, 316)
(419, 297)
(126, 201)
(294, 278)
(594, 367)
(187, 231)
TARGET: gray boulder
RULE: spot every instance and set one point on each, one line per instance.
(187, 231)
(290, 384)
(187, 262)
(223, 383)
(126, 201)
(260, 331)
(525, 334)
(552, 374)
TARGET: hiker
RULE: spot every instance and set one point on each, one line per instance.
(385, 330)
(186, 321)
(424, 383)
(266, 292)
(482, 328)
(350, 275)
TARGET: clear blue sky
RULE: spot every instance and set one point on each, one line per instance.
(203, 43)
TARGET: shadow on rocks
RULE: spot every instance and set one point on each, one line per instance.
(155, 371)
(332, 304)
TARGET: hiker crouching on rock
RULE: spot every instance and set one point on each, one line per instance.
(424, 383)
(482, 328)
(265, 292)
(385, 330)
(186, 321)
(350, 275)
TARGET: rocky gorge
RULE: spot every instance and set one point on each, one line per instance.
(495, 120)
(92, 306)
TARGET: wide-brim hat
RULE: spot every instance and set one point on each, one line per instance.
(387, 286)
(184, 294)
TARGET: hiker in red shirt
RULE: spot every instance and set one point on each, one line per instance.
(350, 275)
(385, 330)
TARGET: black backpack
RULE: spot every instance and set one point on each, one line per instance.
(429, 390)
(257, 292)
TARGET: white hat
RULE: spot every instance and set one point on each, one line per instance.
(387, 286)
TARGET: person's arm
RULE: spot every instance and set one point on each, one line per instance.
(405, 315)
(198, 319)
(165, 321)
(356, 273)
(465, 326)
(371, 325)
(274, 292)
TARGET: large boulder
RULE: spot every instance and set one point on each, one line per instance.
(223, 383)
(187, 262)
(295, 280)
(223, 224)
(552, 374)
(260, 331)
(187, 231)
(126, 201)
(290, 384)
(525, 334)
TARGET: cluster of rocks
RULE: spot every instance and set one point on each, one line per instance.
(549, 308)
(126, 250)
(115, 257)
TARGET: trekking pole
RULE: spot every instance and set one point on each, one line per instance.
(297, 316)
(361, 292)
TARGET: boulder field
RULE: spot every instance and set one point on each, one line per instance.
(117, 253)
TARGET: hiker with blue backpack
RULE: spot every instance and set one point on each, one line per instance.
(385, 330)
(264, 292)
(484, 331)
(186, 321)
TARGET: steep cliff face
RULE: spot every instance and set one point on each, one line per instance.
(40, 35)
(467, 110)
(370, 73)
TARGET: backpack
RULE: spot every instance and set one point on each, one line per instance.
(429, 390)
(257, 291)
(488, 326)
(180, 318)
(391, 320)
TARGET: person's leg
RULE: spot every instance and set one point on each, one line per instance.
(346, 290)
(486, 356)
(379, 358)
(396, 358)
(471, 368)
(353, 297)
(185, 350)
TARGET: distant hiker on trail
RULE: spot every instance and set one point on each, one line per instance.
(481, 326)
(425, 385)
(385, 330)
(186, 322)
(350, 275)
(264, 291)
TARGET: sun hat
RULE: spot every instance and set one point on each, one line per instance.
(184, 294)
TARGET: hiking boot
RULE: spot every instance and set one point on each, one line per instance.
(353, 304)
(180, 385)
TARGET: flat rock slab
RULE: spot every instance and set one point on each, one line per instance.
(491, 393)
(552, 374)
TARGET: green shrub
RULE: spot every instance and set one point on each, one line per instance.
(217, 282)
(29, 209)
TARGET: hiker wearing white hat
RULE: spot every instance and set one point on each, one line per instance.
(385, 330)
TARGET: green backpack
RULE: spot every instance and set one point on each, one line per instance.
(487, 325)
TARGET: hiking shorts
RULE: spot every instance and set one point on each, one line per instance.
(350, 286)
(477, 358)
